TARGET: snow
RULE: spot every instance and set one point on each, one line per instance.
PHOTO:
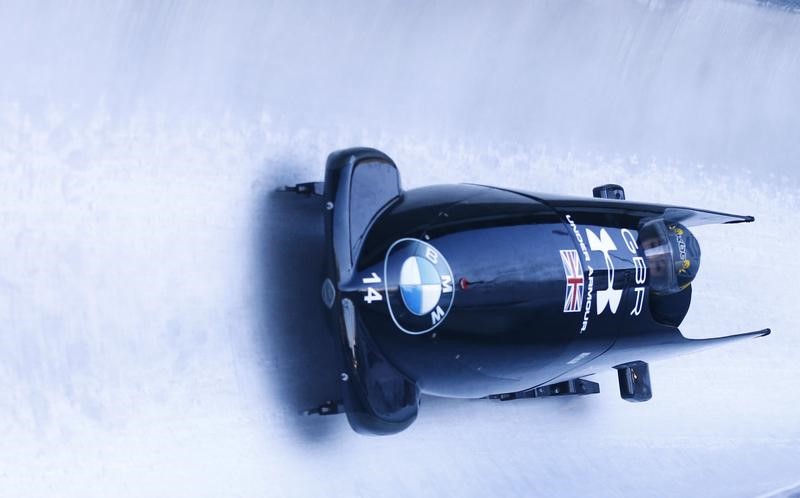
(161, 321)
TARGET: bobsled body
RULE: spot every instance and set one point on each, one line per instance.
(473, 291)
(507, 317)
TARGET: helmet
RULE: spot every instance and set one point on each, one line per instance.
(672, 254)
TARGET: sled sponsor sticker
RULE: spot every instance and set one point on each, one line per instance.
(609, 297)
(419, 286)
(606, 300)
(573, 271)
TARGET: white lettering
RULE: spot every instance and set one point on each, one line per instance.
(681, 247)
(630, 240)
(447, 284)
(372, 296)
(432, 255)
(374, 279)
(578, 237)
(641, 270)
(639, 301)
(589, 288)
(437, 314)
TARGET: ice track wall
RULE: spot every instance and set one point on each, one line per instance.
(160, 326)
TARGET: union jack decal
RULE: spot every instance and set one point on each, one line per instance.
(573, 299)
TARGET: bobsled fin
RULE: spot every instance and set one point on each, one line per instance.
(664, 342)
(634, 212)
(696, 217)
(695, 344)
(359, 183)
(378, 399)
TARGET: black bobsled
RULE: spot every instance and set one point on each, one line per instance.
(473, 291)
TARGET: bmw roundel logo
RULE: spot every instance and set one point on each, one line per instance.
(419, 285)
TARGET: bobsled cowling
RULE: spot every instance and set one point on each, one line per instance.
(469, 290)
(359, 183)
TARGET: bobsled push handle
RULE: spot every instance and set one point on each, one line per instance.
(316, 189)
(609, 191)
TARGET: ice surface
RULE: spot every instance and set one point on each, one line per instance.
(161, 320)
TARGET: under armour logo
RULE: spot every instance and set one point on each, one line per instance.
(609, 297)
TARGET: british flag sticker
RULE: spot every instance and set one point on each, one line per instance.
(573, 270)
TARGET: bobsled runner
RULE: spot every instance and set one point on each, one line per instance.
(473, 291)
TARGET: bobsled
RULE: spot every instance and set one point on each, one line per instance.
(474, 291)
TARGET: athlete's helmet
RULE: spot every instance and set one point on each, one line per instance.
(672, 254)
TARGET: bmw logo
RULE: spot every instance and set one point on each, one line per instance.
(419, 286)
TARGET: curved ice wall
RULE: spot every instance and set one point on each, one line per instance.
(713, 82)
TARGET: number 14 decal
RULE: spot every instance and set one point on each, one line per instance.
(372, 294)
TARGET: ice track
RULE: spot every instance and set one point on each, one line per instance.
(159, 302)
